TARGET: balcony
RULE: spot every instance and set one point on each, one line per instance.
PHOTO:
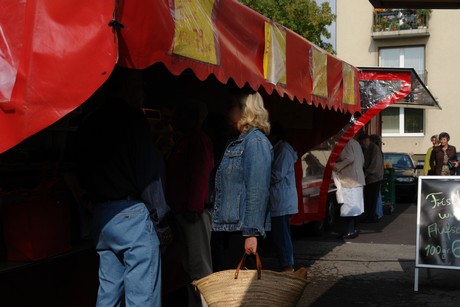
(400, 23)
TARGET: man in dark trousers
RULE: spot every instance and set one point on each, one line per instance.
(116, 164)
(373, 172)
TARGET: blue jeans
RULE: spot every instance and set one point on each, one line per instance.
(129, 255)
(281, 235)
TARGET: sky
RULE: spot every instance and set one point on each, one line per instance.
(331, 28)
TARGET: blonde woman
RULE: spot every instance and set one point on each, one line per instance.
(242, 180)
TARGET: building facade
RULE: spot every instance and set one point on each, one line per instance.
(407, 38)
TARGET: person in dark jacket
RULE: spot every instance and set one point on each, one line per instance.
(116, 164)
(443, 158)
(188, 169)
(283, 196)
(373, 172)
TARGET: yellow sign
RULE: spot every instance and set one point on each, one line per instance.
(319, 72)
(348, 76)
(195, 36)
(275, 54)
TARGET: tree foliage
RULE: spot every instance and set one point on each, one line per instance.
(305, 17)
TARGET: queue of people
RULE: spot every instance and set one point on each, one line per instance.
(244, 186)
(252, 184)
(247, 191)
(358, 173)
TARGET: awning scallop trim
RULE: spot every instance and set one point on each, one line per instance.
(229, 40)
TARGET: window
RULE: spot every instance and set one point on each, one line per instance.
(390, 121)
(408, 57)
(399, 121)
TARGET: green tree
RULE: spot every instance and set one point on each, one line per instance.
(305, 17)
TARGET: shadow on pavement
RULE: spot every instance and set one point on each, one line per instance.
(386, 288)
(369, 233)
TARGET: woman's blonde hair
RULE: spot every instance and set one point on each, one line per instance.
(254, 114)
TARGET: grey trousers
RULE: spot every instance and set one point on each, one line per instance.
(195, 241)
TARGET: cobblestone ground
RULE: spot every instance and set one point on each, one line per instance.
(361, 274)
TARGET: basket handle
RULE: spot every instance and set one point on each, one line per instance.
(243, 260)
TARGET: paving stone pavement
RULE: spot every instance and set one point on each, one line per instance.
(361, 274)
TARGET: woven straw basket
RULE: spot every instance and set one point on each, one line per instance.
(245, 288)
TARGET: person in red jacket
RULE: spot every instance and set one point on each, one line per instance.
(187, 183)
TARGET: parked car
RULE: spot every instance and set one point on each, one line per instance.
(406, 180)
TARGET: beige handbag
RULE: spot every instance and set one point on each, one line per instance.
(252, 287)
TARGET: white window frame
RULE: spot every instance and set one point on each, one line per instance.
(401, 132)
(401, 109)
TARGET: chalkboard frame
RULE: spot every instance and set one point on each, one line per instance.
(418, 259)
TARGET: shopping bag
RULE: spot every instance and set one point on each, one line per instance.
(338, 192)
(242, 287)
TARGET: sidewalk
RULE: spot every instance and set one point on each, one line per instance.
(348, 271)
(363, 274)
(375, 269)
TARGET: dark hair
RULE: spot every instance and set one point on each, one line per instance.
(376, 139)
(444, 135)
(277, 129)
(363, 136)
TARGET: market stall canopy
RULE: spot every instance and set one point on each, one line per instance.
(419, 4)
(54, 55)
(380, 87)
(377, 83)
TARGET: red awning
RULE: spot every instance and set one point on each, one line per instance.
(230, 40)
(54, 55)
(380, 87)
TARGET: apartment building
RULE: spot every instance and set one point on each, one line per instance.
(407, 38)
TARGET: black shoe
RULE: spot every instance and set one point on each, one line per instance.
(349, 235)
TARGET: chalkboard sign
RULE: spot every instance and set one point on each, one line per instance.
(438, 222)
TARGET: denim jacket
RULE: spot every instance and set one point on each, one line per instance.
(283, 191)
(242, 185)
